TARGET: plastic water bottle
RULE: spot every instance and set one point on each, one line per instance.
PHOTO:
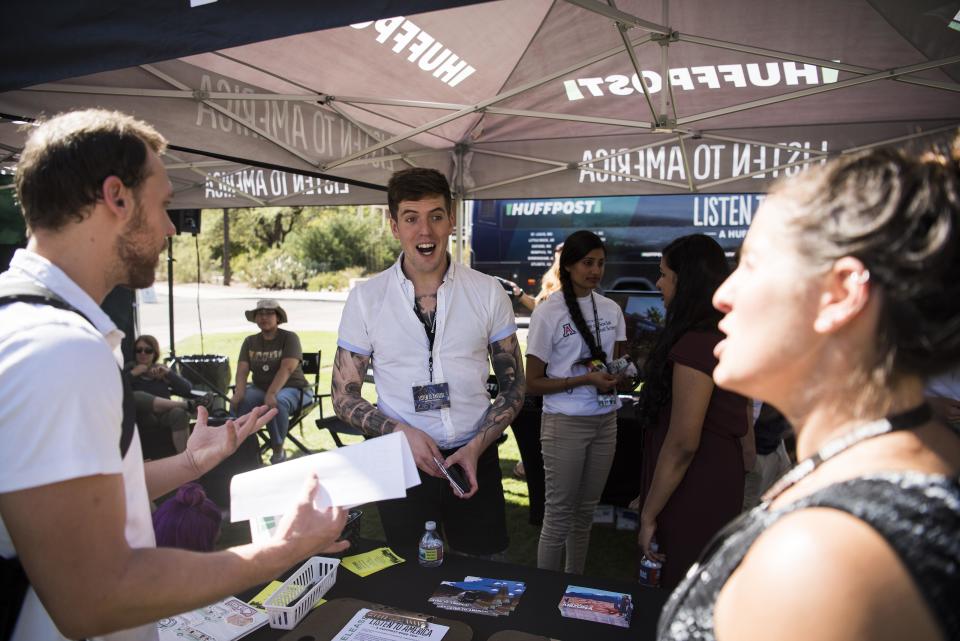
(624, 365)
(430, 550)
(648, 571)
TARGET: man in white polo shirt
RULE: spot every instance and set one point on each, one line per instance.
(432, 327)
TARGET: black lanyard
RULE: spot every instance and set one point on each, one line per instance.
(596, 322)
(431, 331)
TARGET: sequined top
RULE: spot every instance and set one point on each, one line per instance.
(917, 514)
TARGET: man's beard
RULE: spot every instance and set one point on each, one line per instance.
(138, 259)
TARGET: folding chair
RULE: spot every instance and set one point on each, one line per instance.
(310, 366)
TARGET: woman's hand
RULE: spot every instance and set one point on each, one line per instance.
(159, 371)
(604, 381)
(648, 527)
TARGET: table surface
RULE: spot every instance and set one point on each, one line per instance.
(408, 586)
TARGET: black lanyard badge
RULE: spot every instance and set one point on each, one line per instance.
(431, 395)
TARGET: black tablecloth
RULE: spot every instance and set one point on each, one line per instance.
(408, 586)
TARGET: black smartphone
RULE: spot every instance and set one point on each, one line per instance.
(507, 285)
(455, 475)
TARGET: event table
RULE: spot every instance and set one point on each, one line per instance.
(408, 586)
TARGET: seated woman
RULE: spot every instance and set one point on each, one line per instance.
(272, 358)
(843, 305)
(161, 420)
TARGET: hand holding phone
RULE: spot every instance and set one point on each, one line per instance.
(455, 475)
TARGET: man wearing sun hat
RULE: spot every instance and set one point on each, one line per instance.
(272, 359)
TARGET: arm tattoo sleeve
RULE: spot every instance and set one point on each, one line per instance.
(348, 371)
(508, 367)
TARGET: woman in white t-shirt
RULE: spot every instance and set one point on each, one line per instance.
(573, 334)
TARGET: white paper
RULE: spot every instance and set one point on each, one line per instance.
(364, 628)
(374, 470)
(224, 620)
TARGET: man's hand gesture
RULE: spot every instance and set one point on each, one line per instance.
(208, 445)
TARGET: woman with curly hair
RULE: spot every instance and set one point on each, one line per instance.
(844, 304)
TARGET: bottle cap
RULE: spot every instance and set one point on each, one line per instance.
(431, 525)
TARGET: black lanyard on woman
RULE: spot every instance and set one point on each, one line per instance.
(596, 323)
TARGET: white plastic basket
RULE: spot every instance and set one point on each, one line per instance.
(298, 594)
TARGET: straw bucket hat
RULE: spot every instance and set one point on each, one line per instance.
(267, 303)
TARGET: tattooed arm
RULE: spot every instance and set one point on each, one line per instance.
(348, 371)
(508, 367)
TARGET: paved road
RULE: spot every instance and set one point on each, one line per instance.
(221, 310)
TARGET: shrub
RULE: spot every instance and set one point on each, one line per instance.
(333, 281)
(346, 239)
(275, 270)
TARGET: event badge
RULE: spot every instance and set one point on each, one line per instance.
(603, 400)
(431, 396)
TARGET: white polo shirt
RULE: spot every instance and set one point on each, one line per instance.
(473, 311)
(60, 414)
(556, 341)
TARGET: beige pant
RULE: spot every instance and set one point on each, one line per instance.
(577, 455)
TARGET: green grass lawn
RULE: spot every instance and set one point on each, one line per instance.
(612, 552)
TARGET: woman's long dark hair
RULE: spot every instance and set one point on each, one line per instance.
(575, 247)
(701, 267)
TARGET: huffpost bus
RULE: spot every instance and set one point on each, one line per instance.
(515, 239)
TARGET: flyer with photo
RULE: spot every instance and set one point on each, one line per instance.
(602, 606)
(479, 595)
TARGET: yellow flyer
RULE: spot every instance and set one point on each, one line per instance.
(369, 562)
(265, 593)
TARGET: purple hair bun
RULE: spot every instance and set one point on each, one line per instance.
(191, 494)
(189, 520)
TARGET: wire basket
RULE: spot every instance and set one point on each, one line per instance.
(298, 594)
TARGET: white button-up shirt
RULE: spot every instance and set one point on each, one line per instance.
(473, 311)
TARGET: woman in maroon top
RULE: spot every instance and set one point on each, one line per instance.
(693, 460)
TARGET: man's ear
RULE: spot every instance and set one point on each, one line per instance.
(846, 292)
(394, 228)
(116, 196)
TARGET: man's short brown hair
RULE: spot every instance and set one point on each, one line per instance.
(67, 158)
(416, 183)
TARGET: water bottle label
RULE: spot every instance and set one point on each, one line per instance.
(432, 554)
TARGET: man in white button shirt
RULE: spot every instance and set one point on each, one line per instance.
(74, 501)
(432, 328)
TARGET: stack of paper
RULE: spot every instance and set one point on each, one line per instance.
(479, 595)
(601, 606)
(375, 470)
(627, 519)
(222, 621)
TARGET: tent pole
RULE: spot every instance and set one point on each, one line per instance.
(458, 201)
(173, 350)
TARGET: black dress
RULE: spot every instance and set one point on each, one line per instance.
(917, 514)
